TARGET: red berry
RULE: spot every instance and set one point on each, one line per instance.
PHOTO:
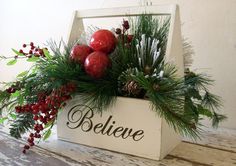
(36, 127)
(31, 144)
(12, 90)
(118, 31)
(34, 107)
(24, 45)
(40, 127)
(125, 24)
(46, 114)
(24, 151)
(8, 90)
(130, 38)
(30, 52)
(41, 118)
(31, 44)
(31, 139)
(31, 135)
(18, 109)
(36, 118)
(21, 51)
(26, 147)
(53, 112)
(32, 47)
(40, 51)
(96, 64)
(36, 111)
(103, 40)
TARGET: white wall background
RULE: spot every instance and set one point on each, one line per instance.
(210, 25)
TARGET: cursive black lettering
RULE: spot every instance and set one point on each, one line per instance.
(104, 127)
(117, 131)
(138, 135)
(81, 116)
(86, 122)
(97, 126)
(124, 132)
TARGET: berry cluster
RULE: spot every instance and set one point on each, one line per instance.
(123, 35)
(45, 110)
(33, 50)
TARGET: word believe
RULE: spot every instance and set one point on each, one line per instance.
(81, 116)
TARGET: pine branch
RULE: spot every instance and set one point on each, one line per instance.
(200, 100)
(217, 118)
(21, 125)
(211, 101)
(168, 101)
(98, 94)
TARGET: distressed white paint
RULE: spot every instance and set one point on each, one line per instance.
(159, 139)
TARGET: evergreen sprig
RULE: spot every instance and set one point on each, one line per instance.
(199, 100)
(22, 124)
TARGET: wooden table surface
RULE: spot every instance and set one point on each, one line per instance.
(217, 148)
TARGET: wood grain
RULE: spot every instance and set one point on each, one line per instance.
(217, 148)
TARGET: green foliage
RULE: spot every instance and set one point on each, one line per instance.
(155, 28)
(4, 100)
(17, 52)
(21, 124)
(11, 62)
(33, 59)
(181, 101)
(167, 97)
(3, 119)
(22, 74)
(47, 134)
(47, 54)
(199, 100)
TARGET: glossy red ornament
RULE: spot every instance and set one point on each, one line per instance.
(80, 52)
(103, 40)
(96, 64)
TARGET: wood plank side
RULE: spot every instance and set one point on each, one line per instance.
(125, 11)
(174, 50)
(76, 29)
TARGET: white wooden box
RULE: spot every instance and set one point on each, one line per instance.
(151, 136)
(130, 126)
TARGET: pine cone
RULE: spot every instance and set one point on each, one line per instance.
(156, 87)
(132, 88)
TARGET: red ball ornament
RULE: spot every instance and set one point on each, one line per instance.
(103, 40)
(80, 52)
(96, 64)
